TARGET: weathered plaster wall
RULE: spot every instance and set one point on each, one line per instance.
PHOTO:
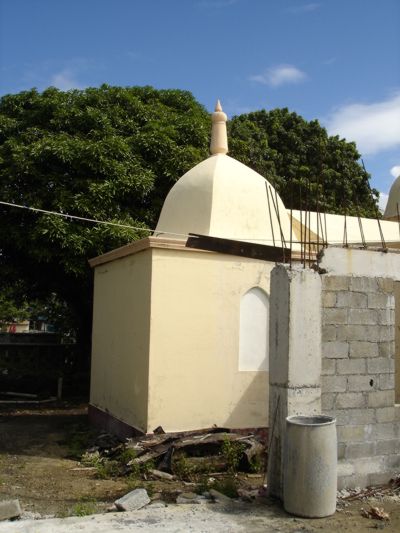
(194, 376)
(120, 339)
(295, 358)
(358, 334)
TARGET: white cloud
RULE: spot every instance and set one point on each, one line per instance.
(304, 8)
(65, 80)
(395, 171)
(383, 198)
(280, 75)
(374, 127)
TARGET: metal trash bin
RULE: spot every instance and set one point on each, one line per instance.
(310, 466)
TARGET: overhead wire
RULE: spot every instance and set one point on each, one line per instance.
(159, 232)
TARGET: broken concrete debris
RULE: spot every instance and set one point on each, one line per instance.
(9, 509)
(161, 475)
(189, 497)
(219, 497)
(134, 500)
(375, 512)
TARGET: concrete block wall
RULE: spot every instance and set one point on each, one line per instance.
(294, 356)
(357, 379)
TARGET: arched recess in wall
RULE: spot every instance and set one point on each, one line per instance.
(254, 331)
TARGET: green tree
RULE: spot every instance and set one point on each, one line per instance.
(109, 154)
(309, 168)
(112, 154)
(10, 310)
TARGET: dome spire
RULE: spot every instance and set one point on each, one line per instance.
(219, 138)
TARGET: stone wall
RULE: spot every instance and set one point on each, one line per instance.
(358, 334)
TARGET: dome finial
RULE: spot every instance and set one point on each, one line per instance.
(219, 137)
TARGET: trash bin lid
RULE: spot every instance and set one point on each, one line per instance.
(315, 420)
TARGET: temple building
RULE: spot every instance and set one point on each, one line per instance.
(181, 331)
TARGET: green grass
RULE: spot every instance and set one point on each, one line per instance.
(84, 508)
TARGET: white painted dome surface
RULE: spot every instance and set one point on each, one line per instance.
(221, 197)
(393, 200)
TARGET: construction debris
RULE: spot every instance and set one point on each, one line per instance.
(183, 456)
(9, 509)
(134, 500)
(375, 512)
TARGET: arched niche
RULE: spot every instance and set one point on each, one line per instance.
(254, 331)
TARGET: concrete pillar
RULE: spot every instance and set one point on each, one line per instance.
(295, 358)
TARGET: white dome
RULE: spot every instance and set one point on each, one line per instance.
(393, 200)
(223, 198)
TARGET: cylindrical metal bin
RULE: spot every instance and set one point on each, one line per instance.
(310, 466)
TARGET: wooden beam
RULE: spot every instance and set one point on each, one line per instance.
(240, 248)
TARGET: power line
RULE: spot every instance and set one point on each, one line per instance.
(159, 231)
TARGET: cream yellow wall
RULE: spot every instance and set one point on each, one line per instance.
(194, 381)
(120, 341)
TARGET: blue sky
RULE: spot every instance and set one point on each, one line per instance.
(335, 60)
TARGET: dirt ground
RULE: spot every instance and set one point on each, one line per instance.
(39, 466)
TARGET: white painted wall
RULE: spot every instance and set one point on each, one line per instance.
(254, 331)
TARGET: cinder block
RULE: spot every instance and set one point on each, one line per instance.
(385, 431)
(334, 316)
(387, 447)
(385, 414)
(335, 350)
(380, 365)
(349, 400)
(333, 383)
(328, 333)
(335, 283)
(367, 465)
(327, 401)
(344, 482)
(386, 333)
(363, 316)
(328, 367)
(361, 416)
(386, 381)
(360, 449)
(377, 300)
(355, 300)
(350, 434)
(385, 316)
(379, 478)
(392, 462)
(345, 469)
(381, 398)
(386, 349)
(341, 416)
(351, 366)
(386, 284)
(361, 383)
(328, 299)
(358, 333)
(363, 284)
(363, 349)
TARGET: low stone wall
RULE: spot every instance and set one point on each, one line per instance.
(358, 334)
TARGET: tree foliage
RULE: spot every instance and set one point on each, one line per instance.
(310, 169)
(109, 154)
(112, 154)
